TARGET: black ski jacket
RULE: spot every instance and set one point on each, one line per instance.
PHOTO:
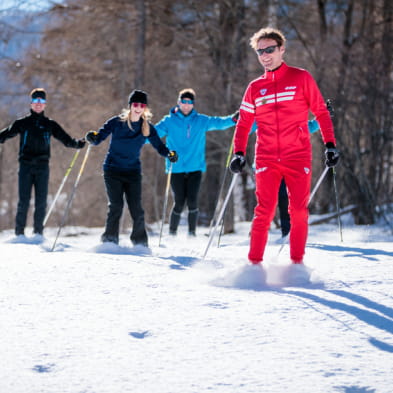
(35, 131)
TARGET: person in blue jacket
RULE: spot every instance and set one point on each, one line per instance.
(122, 166)
(185, 131)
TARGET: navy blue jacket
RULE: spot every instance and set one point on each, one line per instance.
(126, 144)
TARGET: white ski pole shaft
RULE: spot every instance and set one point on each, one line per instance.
(224, 205)
(72, 195)
(318, 183)
(325, 171)
(337, 204)
(61, 185)
(219, 198)
(168, 182)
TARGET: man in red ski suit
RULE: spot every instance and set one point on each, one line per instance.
(280, 101)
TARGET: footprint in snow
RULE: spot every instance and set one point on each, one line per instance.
(139, 335)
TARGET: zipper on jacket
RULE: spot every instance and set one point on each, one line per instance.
(277, 118)
(24, 140)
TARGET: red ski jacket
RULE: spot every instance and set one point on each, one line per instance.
(279, 101)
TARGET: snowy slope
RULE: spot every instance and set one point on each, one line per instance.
(98, 318)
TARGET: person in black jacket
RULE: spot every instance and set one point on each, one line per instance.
(35, 131)
(122, 166)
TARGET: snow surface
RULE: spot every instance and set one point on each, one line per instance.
(101, 318)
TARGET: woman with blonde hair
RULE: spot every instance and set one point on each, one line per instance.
(122, 166)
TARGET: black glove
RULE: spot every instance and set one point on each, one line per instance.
(92, 137)
(80, 143)
(235, 116)
(332, 155)
(238, 162)
(172, 156)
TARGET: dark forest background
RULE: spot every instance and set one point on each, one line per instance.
(90, 54)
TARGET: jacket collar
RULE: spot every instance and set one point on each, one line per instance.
(176, 111)
(37, 115)
(276, 73)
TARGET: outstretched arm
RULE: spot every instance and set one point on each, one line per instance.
(157, 143)
(9, 132)
(66, 139)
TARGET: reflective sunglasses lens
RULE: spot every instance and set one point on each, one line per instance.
(189, 102)
(138, 104)
(38, 101)
(268, 50)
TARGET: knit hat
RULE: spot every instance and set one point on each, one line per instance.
(187, 93)
(137, 96)
(38, 93)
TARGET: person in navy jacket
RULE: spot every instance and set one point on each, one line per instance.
(122, 166)
(35, 131)
(185, 131)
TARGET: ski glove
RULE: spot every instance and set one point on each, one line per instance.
(172, 156)
(332, 155)
(92, 137)
(80, 143)
(238, 162)
(235, 116)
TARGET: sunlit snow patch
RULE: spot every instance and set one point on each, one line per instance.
(291, 275)
(35, 239)
(247, 277)
(112, 248)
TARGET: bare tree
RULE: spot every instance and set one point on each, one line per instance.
(92, 53)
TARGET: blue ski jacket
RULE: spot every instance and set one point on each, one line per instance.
(187, 136)
(125, 146)
(313, 126)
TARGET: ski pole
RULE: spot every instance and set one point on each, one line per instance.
(61, 185)
(222, 219)
(318, 183)
(219, 198)
(72, 195)
(168, 182)
(224, 205)
(337, 204)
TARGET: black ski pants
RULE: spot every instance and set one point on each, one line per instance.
(185, 188)
(32, 175)
(129, 185)
(283, 209)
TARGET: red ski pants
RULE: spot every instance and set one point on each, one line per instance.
(268, 176)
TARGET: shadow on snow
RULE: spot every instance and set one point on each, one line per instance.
(372, 318)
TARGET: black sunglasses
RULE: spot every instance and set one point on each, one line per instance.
(268, 50)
